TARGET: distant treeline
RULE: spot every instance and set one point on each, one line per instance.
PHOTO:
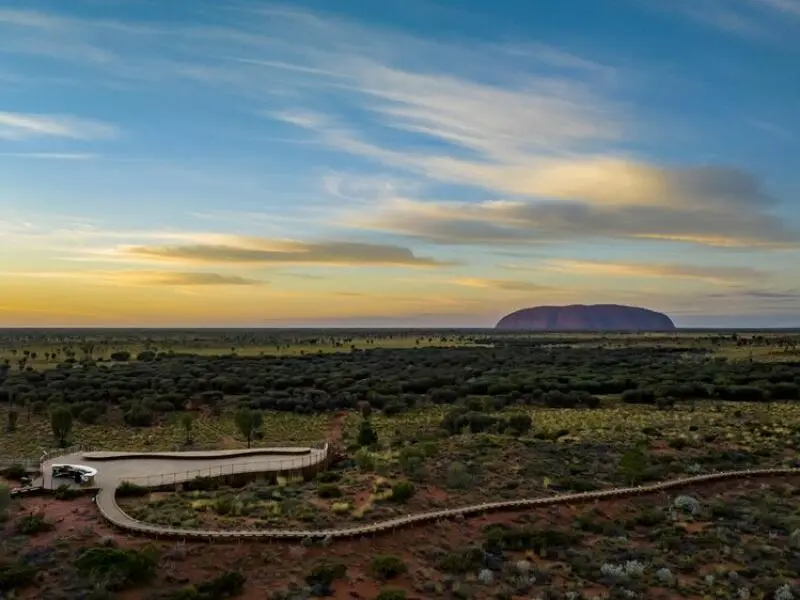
(394, 380)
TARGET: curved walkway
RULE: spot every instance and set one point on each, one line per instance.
(168, 468)
(107, 504)
(152, 469)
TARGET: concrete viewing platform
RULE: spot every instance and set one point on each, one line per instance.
(152, 469)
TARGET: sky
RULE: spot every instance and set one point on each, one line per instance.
(414, 163)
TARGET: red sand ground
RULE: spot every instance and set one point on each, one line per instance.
(271, 566)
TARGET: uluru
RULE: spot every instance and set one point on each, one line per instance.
(586, 317)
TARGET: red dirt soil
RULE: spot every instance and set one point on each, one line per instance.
(271, 566)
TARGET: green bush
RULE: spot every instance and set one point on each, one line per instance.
(15, 575)
(127, 489)
(503, 537)
(411, 460)
(138, 415)
(520, 423)
(329, 490)
(225, 505)
(14, 472)
(461, 561)
(387, 567)
(391, 594)
(366, 434)
(577, 484)
(340, 508)
(402, 491)
(365, 460)
(324, 573)
(328, 477)
(227, 585)
(202, 484)
(119, 568)
(67, 492)
(649, 517)
(33, 524)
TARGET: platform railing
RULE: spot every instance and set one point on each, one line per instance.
(318, 454)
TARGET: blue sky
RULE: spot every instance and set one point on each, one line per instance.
(398, 163)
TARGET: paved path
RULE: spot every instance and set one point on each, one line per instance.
(107, 504)
(156, 469)
(152, 469)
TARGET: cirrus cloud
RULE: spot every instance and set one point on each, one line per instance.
(19, 126)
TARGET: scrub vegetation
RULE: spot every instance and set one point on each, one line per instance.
(425, 427)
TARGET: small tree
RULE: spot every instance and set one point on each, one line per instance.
(633, 464)
(13, 417)
(61, 423)
(248, 422)
(187, 422)
(520, 423)
(366, 434)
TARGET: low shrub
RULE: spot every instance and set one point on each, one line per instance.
(14, 472)
(67, 492)
(119, 568)
(525, 538)
(402, 491)
(14, 575)
(391, 594)
(33, 524)
(227, 585)
(678, 443)
(461, 561)
(324, 573)
(387, 567)
(202, 484)
(329, 476)
(329, 490)
(128, 489)
(340, 508)
(577, 484)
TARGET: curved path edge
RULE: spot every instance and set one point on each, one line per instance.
(117, 517)
(195, 455)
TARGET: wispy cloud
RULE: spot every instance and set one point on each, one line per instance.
(50, 155)
(17, 126)
(771, 128)
(760, 20)
(31, 18)
(141, 277)
(792, 296)
(787, 7)
(731, 224)
(254, 251)
(711, 274)
(172, 278)
(512, 285)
